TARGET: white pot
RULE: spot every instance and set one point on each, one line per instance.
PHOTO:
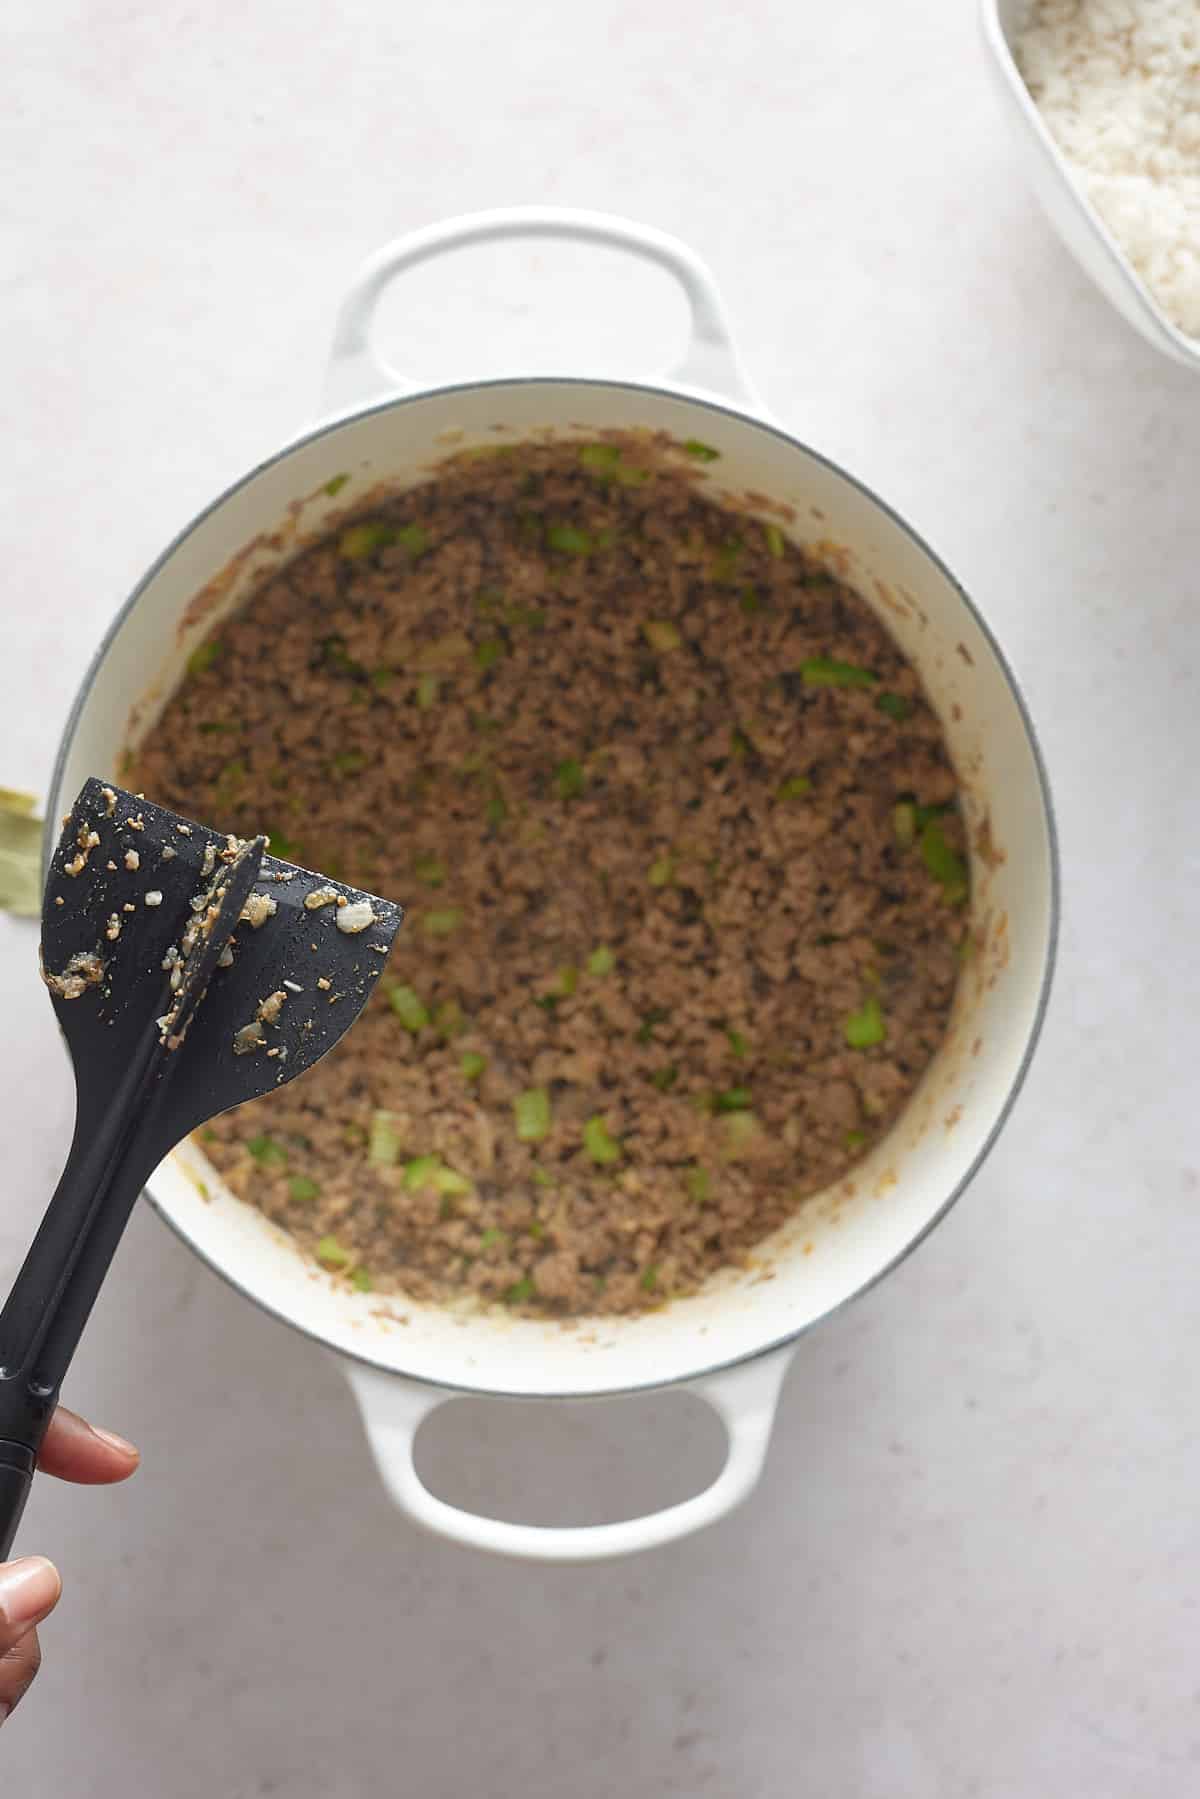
(732, 1342)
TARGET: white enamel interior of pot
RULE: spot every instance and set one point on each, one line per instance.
(843, 1240)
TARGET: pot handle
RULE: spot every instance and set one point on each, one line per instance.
(357, 375)
(744, 1398)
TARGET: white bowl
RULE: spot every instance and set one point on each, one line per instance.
(1063, 200)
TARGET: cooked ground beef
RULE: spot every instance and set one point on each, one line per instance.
(679, 836)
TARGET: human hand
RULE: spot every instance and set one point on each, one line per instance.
(30, 1586)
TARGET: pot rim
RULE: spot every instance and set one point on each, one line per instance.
(657, 390)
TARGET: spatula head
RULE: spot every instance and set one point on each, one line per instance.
(129, 890)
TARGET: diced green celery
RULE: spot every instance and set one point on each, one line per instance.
(569, 779)
(794, 788)
(204, 655)
(409, 1009)
(360, 541)
(303, 1187)
(267, 1152)
(895, 706)
(570, 539)
(472, 1064)
(601, 1146)
(532, 1112)
(330, 1254)
(866, 1027)
(443, 923)
(775, 539)
(701, 451)
(826, 671)
(335, 484)
(430, 869)
(383, 1140)
(601, 961)
(661, 635)
(414, 538)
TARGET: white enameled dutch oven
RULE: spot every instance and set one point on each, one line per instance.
(732, 1342)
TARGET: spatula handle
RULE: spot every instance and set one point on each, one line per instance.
(16, 1478)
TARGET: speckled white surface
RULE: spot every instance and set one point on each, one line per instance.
(971, 1567)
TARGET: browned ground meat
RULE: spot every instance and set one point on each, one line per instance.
(680, 841)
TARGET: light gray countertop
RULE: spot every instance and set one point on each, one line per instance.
(970, 1569)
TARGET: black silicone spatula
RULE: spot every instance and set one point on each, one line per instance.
(189, 972)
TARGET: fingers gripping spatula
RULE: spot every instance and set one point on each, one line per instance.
(189, 972)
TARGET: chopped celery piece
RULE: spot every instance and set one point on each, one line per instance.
(662, 872)
(665, 1078)
(491, 1237)
(733, 1099)
(427, 692)
(865, 1028)
(359, 541)
(855, 1140)
(569, 539)
(649, 1278)
(414, 538)
(349, 762)
(443, 923)
(430, 870)
(701, 451)
(496, 811)
(601, 961)
(740, 745)
(794, 788)
(569, 779)
(626, 476)
(944, 863)
(661, 635)
(382, 677)
(600, 1145)
(751, 601)
(472, 1064)
(409, 1009)
(541, 1177)
(775, 539)
(698, 1185)
(520, 1291)
(204, 655)
(489, 653)
(383, 1140)
(330, 1253)
(335, 484)
(361, 1279)
(431, 1171)
(825, 671)
(449, 1020)
(904, 823)
(216, 728)
(740, 1130)
(738, 1044)
(601, 458)
(267, 1152)
(303, 1187)
(566, 980)
(895, 706)
(532, 1112)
